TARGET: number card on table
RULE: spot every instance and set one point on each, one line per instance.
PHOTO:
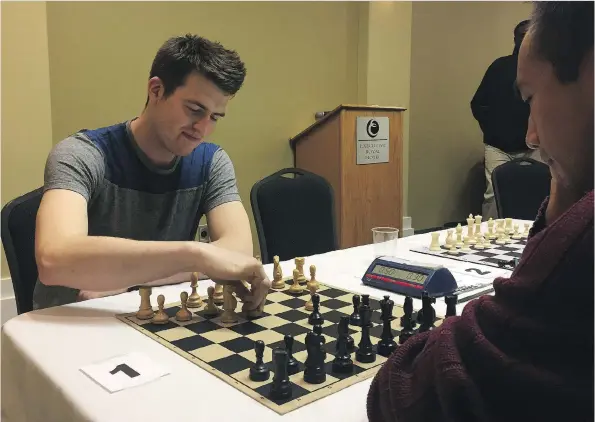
(125, 371)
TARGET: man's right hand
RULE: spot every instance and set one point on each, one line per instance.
(225, 266)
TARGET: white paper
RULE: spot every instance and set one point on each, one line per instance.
(125, 371)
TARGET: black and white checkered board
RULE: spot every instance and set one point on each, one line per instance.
(492, 256)
(227, 350)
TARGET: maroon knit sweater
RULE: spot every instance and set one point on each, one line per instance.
(523, 354)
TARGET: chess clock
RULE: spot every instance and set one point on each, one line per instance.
(409, 278)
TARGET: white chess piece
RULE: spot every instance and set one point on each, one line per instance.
(480, 243)
(500, 233)
(470, 232)
(466, 247)
(491, 232)
(459, 231)
(449, 239)
(435, 244)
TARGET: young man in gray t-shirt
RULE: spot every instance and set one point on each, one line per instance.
(122, 203)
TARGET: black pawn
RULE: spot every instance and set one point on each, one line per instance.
(259, 371)
(407, 323)
(408, 312)
(314, 372)
(365, 352)
(387, 344)
(451, 305)
(280, 387)
(428, 314)
(342, 362)
(293, 365)
(384, 301)
(355, 318)
(315, 317)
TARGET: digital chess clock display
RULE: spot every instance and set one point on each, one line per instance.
(400, 274)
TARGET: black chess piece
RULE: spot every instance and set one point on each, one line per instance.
(315, 317)
(342, 362)
(280, 387)
(428, 314)
(355, 318)
(407, 322)
(314, 372)
(293, 365)
(259, 371)
(387, 344)
(365, 350)
(384, 300)
(349, 342)
(451, 305)
(408, 310)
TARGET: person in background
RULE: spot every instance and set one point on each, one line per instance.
(525, 353)
(502, 117)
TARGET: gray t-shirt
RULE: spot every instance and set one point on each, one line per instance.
(131, 198)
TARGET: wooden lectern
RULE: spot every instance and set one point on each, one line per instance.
(368, 194)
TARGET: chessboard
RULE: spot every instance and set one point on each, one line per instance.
(500, 246)
(310, 340)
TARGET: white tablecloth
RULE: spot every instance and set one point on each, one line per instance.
(43, 351)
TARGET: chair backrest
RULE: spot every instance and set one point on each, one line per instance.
(294, 214)
(18, 239)
(520, 187)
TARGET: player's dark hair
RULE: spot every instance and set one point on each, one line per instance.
(180, 56)
(563, 35)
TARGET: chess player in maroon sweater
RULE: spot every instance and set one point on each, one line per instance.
(525, 353)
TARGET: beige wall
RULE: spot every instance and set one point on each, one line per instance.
(385, 63)
(26, 132)
(453, 43)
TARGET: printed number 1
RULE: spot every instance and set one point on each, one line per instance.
(125, 369)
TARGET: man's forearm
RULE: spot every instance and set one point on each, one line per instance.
(106, 263)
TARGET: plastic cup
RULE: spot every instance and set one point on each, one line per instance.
(385, 241)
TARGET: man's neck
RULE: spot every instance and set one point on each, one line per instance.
(147, 140)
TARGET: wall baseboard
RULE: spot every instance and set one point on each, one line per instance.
(8, 306)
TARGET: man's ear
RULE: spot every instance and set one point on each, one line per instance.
(155, 88)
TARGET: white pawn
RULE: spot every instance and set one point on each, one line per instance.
(449, 239)
(517, 234)
(491, 233)
(459, 231)
(480, 243)
(501, 236)
(466, 247)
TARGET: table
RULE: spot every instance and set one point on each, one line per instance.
(43, 351)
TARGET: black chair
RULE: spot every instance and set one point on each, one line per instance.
(520, 187)
(18, 238)
(294, 214)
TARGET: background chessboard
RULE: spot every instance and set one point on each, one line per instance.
(227, 350)
(490, 256)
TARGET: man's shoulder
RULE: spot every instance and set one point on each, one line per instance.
(100, 138)
(107, 137)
